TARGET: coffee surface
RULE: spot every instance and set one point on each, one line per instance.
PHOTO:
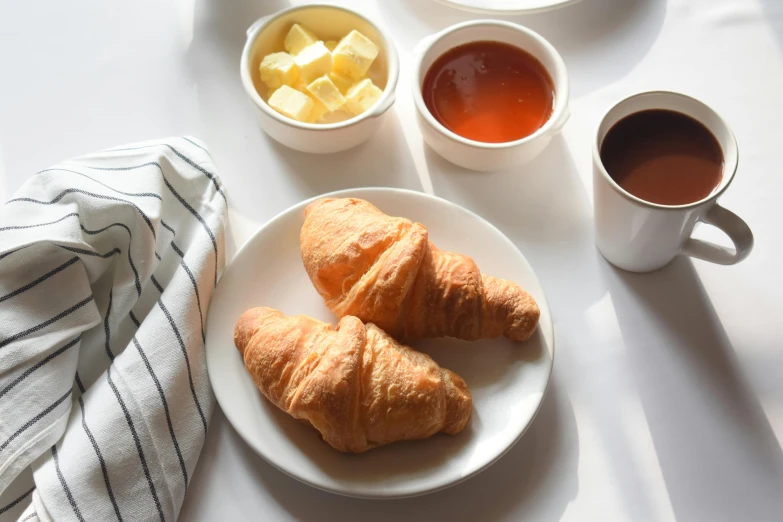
(663, 157)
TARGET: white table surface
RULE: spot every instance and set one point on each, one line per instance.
(667, 395)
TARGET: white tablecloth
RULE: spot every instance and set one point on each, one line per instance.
(667, 398)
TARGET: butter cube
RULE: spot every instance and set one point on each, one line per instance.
(343, 83)
(362, 96)
(292, 103)
(314, 61)
(301, 86)
(278, 69)
(331, 44)
(336, 116)
(354, 55)
(318, 112)
(298, 38)
(327, 93)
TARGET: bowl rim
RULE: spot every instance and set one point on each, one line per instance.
(380, 107)
(560, 112)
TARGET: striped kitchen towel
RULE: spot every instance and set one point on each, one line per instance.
(107, 266)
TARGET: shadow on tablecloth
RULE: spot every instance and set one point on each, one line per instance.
(717, 452)
(537, 477)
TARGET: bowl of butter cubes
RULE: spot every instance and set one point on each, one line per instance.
(320, 77)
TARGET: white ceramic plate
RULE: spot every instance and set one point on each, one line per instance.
(507, 380)
(507, 7)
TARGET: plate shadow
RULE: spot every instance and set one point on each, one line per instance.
(536, 479)
(544, 208)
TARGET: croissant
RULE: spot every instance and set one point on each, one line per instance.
(385, 270)
(356, 385)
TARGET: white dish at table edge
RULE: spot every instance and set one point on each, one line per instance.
(508, 381)
(507, 7)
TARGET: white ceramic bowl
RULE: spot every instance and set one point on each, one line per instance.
(330, 23)
(477, 155)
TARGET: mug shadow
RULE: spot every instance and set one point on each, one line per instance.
(536, 479)
(599, 40)
(695, 397)
(544, 208)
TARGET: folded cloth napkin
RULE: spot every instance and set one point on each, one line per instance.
(107, 265)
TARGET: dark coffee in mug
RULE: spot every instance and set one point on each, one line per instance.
(663, 157)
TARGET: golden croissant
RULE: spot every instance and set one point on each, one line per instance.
(356, 385)
(384, 270)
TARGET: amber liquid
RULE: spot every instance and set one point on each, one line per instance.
(489, 91)
(664, 157)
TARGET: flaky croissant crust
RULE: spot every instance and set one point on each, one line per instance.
(356, 385)
(384, 270)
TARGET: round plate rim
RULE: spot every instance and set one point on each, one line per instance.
(558, 4)
(351, 192)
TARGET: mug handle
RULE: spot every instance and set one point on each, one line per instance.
(734, 227)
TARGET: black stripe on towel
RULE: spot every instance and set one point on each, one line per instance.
(177, 196)
(137, 441)
(91, 194)
(184, 351)
(130, 240)
(85, 252)
(17, 501)
(101, 461)
(22, 227)
(181, 254)
(79, 383)
(35, 419)
(93, 232)
(67, 490)
(198, 168)
(201, 220)
(106, 330)
(165, 410)
(133, 318)
(46, 323)
(3, 256)
(183, 157)
(132, 194)
(156, 283)
(197, 145)
(41, 279)
(37, 365)
(167, 227)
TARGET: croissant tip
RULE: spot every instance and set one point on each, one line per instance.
(247, 325)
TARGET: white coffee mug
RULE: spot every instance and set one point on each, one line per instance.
(640, 236)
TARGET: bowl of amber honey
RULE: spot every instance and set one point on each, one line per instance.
(320, 77)
(490, 95)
